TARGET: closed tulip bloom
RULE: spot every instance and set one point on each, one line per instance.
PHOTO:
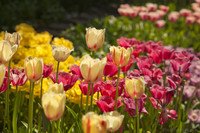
(160, 23)
(120, 55)
(93, 123)
(6, 51)
(2, 73)
(60, 53)
(33, 68)
(92, 69)
(173, 16)
(113, 120)
(13, 38)
(94, 38)
(135, 87)
(190, 20)
(53, 102)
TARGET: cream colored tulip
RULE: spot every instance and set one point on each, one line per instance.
(120, 55)
(92, 69)
(6, 51)
(113, 120)
(93, 123)
(94, 38)
(33, 68)
(60, 53)
(2, 73)
(13, 39)
(135, 87)
(53, 101)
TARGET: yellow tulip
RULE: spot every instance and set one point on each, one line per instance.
(33, 68)
(113, 120)
(120, 55)
(60, 53)
(6, 51)
(53, 101)
(93, 123)
(94, 38)
(2, 73)
(13, 38)
(135, 87)
(92, 69)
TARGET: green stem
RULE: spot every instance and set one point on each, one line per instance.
(81, 99)
(31, 97)
(91, 97)
(116, 95)
(57, 72)
(88, 91)
(105, 78)
(40, 109)
(15, 112)
(7, 118)
(137, 115)
(53, 126)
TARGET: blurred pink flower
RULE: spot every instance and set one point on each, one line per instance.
(194, 116)
(164, 8)
(144, 15)
(160, 23)
(153, 16)
(190, 19)
(151, 7)
(173, 16)
(185, 12)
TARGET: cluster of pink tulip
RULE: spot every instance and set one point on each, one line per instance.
(150, 12)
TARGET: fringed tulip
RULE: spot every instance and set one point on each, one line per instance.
(60, 53)
(113, 120)
(110, 69)
(13, 39)
(33, 68)
(93, 123)
(18, 77)
(135, 87)
(84, 87)
(75, 69)
(47, 70)
(6, 51)
(53, 102)
(120, 55)
(94, 38)
(92, 69)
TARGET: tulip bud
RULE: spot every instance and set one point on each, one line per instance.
(13, 39)
(135, 87)
(6, 51)
(120, 55)
(33, 68)
(2, 73)
(60, 53)
(53, 102)
(92, 69)
(94, 38)
(113, 120)
(93, 123)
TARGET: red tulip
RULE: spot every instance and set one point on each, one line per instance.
(144, 62)
(128, 66)
(167, 113)
(180, 64)
(84, 87)
(47, 70)
(127, 43)
(75, 69)
(158, 92)
(67, 79)
(110, 69)
(18, 77)
(107, 104)
(3, 87)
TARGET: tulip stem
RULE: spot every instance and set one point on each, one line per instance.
(137, 115)
(57, 71)
(88, 91)
(15, 112)
(81, 99)
(7, 118)
(91, 97)
(31, 107)
(116, 95)
(40, 109)
(53, 126)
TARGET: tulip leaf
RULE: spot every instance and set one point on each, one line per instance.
(75, 117)
(71, 128)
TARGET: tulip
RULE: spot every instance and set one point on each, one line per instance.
(185, 12)
(18, 77)
(47, 70)
(113, 120)
(53, 101)
(197, 1)
(33, 68)
(151, 6)
(153, 16)
(120, 55)
(173, 16)
(6, 51)
(135, 87)
(60, 53)
(94, 38)
(92, 69)
(144, 15)
(194, 116)
(160, 23)
(93, 123)
(190, 19)
(13, 39)
(75, 69)
(164, 8)
(2, 73)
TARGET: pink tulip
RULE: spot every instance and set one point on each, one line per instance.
(144, 15)
(151, 7)
(194, 116)
(185, 12)
(110, 69)
(160, 23)
(197, 1)
(3, 87)
(153, 16)
(84, 87)
(18, 77)
(173, 16)
(160, 13)
(167, 113)
(75, 69)
(47, 70)
(164, 8)
(190, 19)
(196, 15)
(124, 6)
(180, 64)
(195, 6)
